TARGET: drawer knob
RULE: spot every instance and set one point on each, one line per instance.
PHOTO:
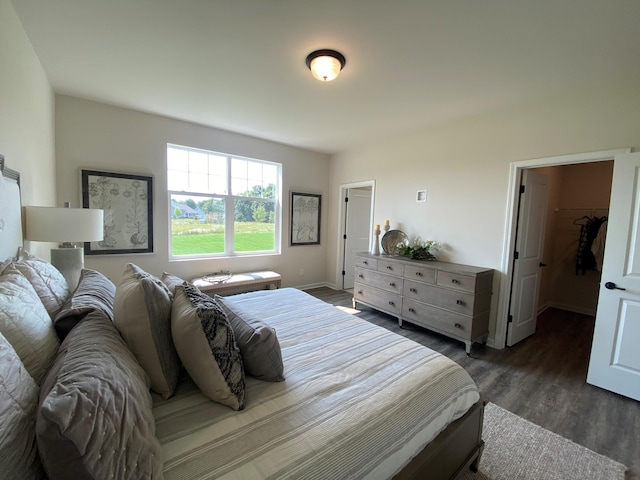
(389, 267)
(412, 310)
(365, 262)
(457, 325)
(459, 302)
(413, 290)
(391, 303)
(392, 285)
(419, 274)
(453, 280)
(359, 292)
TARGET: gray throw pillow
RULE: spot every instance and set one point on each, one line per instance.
(95, 418)
(94, 292)
(18, 402)
(205, 342)
(171, 281)
(258, 342)
(142, 314)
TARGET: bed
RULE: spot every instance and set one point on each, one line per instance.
(352, 400)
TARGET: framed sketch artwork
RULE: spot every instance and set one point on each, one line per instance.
(305, 218)
(127, 201)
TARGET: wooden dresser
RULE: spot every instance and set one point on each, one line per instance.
(448, 298)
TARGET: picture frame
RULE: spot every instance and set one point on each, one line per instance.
(127, 201)
(305, 218)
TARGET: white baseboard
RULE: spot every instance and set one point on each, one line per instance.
(309, 286)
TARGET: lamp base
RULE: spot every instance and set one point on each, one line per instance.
(69, 262)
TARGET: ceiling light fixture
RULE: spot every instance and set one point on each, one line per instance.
(325, 65)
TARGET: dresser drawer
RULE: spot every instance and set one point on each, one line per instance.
(457, 281)
(460, 302)
(380, 299)
(379, 280)
(390, 267)
(366, 262)
(420, 274)
(444, 321)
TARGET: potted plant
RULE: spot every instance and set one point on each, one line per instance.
(419, 249)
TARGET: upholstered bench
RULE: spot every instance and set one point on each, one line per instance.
(237, 283)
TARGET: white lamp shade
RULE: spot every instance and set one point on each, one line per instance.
(51, 224)
(325, 68)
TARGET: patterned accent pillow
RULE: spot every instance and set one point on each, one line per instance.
(94, 292)
(18, 403)
(258, 343)
(95, 419)
(46, 280)
(142, 314)
(206, 344)
(25, 323)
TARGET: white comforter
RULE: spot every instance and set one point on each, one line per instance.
(358, 402)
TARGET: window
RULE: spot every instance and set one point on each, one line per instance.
(222, 205)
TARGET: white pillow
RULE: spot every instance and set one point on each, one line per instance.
(142, 315)
(26, 324)
(47, 281)
(205, 342)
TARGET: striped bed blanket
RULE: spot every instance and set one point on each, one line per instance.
(358, 402)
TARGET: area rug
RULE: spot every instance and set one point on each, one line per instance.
(516, 449)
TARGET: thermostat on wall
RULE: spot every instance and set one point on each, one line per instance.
(421, 196)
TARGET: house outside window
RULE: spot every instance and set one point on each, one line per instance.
(221, 204)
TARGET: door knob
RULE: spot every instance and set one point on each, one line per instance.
(612, 286)
(543, 264)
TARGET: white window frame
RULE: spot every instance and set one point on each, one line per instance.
(229, 209)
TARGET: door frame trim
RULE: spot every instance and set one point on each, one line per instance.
(513, 192)
(341, 226)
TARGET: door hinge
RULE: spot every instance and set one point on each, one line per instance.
(521, 188)
(516, 255)
(510, 319)
(343, 273)
(345, 236)
(346, 199)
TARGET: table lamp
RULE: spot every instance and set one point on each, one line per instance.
(65, 226)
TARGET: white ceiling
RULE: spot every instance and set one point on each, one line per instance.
(239, 65)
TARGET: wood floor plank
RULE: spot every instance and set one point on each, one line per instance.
(542, 379)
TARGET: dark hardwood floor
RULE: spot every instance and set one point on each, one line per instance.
(542, 379)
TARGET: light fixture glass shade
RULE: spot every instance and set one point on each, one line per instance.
(325, 68)
(325, 65)
(51, 224)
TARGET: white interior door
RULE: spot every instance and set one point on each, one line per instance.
(523, 309)
(358, 230)
(615, 363)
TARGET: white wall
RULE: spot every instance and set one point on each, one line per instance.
(26, 117)
(102, 137)
(465, 168)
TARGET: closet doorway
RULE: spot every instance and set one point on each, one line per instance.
(564, 244)
(551, 277)
(579, 197)
(613, 361)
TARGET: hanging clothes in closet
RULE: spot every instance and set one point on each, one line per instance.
(597, 247)
(589, 232)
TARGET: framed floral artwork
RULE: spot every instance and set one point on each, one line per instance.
(305, 218)
(127, 201)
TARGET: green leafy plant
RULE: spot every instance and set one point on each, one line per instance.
(419, 249)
